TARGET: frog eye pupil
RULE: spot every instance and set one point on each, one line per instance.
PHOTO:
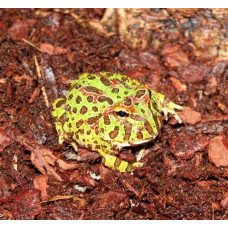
(122, 113)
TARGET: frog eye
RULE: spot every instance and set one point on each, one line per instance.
(122, 113)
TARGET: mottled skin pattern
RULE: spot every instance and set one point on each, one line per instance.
(106, 112)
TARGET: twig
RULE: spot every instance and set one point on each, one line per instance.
(31, 44)
(42, 87)
(221, 118)
(55, 198)
(78, 19)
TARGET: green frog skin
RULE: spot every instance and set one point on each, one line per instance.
(106, 112)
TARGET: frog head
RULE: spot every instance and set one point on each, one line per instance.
(131, 121)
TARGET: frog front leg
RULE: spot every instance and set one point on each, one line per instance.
(169, 107)
(112, 162)
(164, 105)
(59, 114)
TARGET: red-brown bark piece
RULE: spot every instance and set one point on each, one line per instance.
(224, 202)
(52, 50)
(149, 60)
(211, 86)
(171, 165)
(19, 30)
(111, 200)
(180, 87)
(40, 183)
(67, 166)
(87, 156)
(104, 172)
(175, 57)
(35, 94)
(21, 78)
(26, 204)
(139, 73)
(47, 48)
(60, 51)
(3, 30)
(70, 56)
(218, 151)
(193, 73)
(4, 140)
(212, 82)
(155, 79)
(184, 147)
(4, 191)
(189, 116)
(66, 211)
(182, 12)
(129, 185)
(82, 177)
(204, 185)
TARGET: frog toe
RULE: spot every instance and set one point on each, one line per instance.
(137, 164)
(170, 108)
(75, 146)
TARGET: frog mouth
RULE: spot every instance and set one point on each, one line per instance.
(141, 142)
(134, 143)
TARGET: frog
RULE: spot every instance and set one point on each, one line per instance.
(107, 112)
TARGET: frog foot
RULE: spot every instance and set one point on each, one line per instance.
(60, 131)
(137, 164)
(141, 153)
(74, 145)
(112, 162)
(59, 114)
(169, 108)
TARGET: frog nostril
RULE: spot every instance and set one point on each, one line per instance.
(122, 113)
